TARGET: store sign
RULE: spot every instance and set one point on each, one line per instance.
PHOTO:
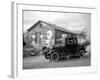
(49, 34)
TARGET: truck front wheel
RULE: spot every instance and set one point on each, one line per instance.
(54, 57)
(47, 57)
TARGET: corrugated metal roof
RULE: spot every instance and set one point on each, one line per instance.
(51, 25)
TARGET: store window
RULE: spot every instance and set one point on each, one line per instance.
(60, 37)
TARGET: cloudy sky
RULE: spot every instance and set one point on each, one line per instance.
(71, 21)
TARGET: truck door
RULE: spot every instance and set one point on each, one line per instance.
(71, 45)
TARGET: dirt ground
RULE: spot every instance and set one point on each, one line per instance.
(36, 62)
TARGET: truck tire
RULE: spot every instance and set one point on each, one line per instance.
(54, 57)
(81, 53)
(46, 56)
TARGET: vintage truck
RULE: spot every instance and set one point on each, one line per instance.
(69, 48)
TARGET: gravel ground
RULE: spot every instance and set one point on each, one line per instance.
(36, 62)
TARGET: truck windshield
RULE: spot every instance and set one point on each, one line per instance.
(71, 41)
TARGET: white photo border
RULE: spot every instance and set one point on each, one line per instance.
(17, 57)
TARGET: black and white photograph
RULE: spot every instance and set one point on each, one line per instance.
(53, 39)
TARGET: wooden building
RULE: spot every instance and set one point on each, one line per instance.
(46, 34)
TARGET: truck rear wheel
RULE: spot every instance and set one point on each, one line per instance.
(54, 57)
(81, 53)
